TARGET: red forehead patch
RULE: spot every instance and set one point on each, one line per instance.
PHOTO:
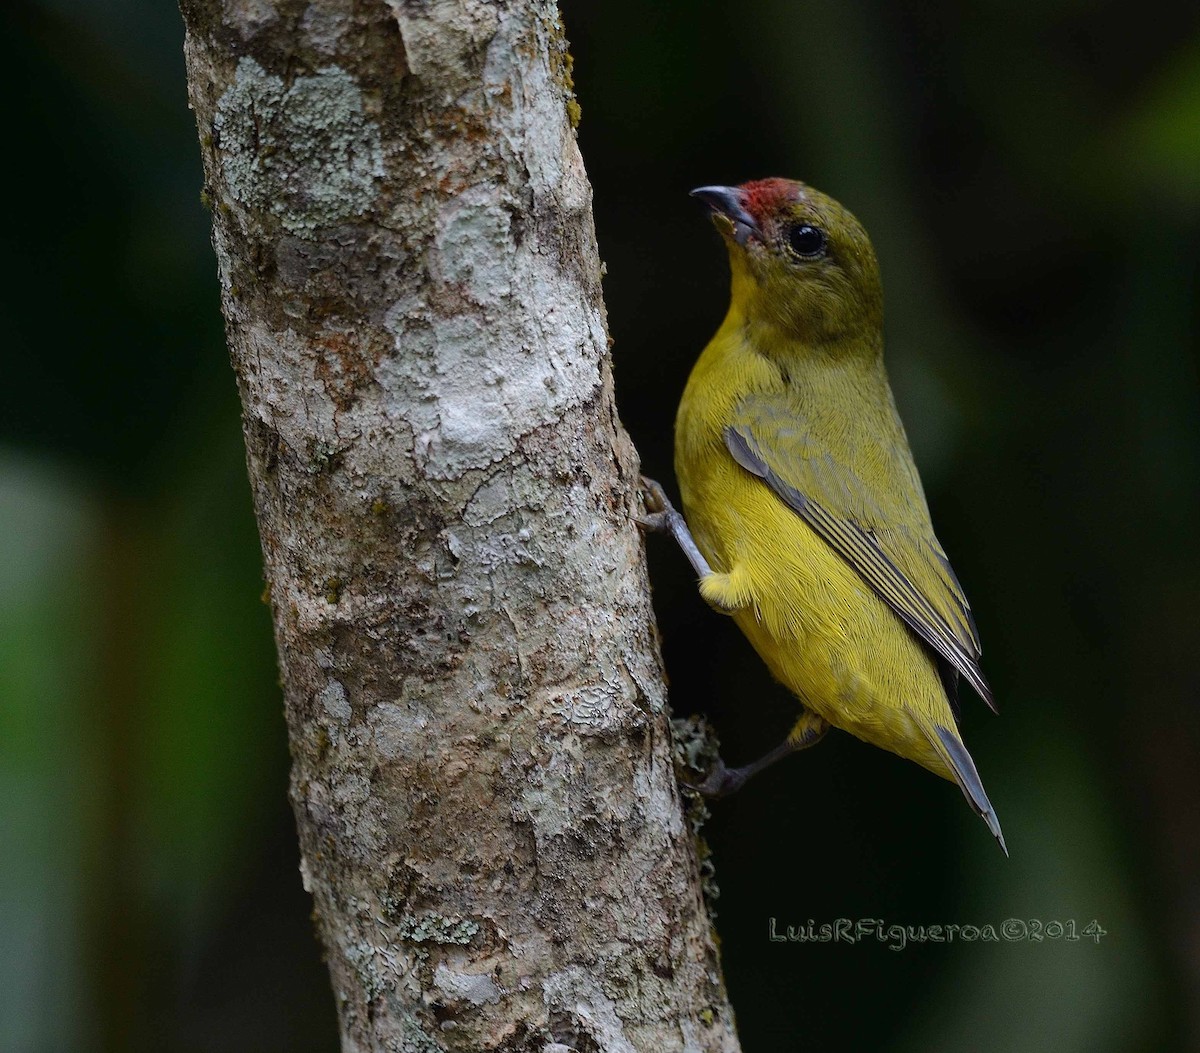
(764, 196)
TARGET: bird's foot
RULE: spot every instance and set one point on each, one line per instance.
(660, 517)
(721, 781)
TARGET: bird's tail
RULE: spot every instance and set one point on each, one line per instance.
(950, 748)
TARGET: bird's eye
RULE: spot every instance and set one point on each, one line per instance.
(806, 241)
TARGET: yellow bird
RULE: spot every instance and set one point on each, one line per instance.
(808, 522)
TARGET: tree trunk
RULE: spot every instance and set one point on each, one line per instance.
(482, 775)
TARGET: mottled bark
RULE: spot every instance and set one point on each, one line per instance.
(482, 780)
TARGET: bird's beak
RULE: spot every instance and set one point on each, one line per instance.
(729, 212)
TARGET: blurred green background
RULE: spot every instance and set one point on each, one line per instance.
(1030, 174)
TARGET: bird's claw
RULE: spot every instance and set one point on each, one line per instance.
(720, 782)
(654, 495)
(654, 523)
(660, 513)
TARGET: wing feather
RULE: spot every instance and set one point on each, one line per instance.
(891, 558)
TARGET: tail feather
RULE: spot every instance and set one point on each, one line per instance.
(955, 754)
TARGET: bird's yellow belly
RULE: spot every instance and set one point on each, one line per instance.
(820, 629)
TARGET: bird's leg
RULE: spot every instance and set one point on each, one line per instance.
(725, 593)
(722, 781)
(661, 518)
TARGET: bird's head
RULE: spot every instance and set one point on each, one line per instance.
(800, 261)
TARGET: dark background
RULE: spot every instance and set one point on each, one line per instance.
(1030, 174)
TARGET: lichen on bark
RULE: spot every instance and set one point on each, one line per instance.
(482, 776)
(305, 151)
